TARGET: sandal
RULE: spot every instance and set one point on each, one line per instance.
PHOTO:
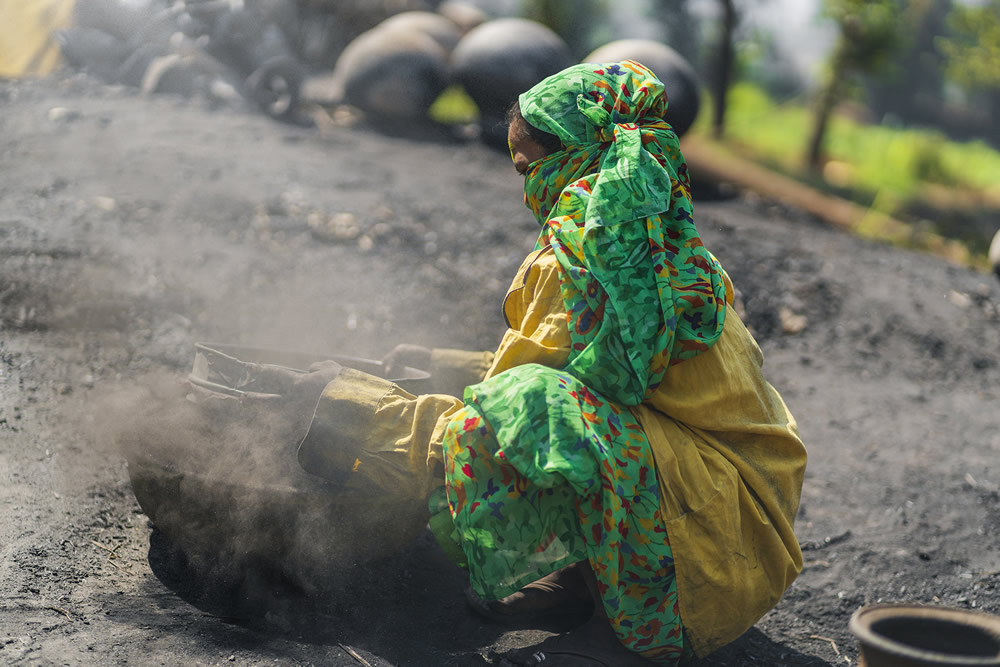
(559, 597)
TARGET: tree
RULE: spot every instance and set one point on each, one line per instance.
(912, 87)
(869, 33)
(723, 63)
(575, 21)
(723, 67)
(678, 28)
(973, 52)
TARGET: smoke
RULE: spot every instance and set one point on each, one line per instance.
(166, 254)
(219, 478)
(146, 223)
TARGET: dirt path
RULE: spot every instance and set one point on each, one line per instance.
(131, 227)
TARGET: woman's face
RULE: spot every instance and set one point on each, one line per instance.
(523, 149)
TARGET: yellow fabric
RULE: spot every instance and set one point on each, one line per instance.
(26, 27)
(454, 370)
(728, 457)
(536, 316)
(369, 432)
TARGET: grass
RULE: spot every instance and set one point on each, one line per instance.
(874, 157)
(917, 175)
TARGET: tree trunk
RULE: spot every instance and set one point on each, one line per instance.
(724, 67)
(991, 131)
(825, 105)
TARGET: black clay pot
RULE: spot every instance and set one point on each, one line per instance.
(924, 636)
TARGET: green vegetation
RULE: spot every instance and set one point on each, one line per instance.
(973, 49)
(913, 174)
(870, 32)
(874, 158)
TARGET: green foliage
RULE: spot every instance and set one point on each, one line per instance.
(759, 60)
(899, 164)
(912, 87)
(775, 132)
(973, 51)
(869, 31)
(939, 185)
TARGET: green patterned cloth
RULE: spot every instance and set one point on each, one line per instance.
(542, 472)
(545, 467)
(641, 289)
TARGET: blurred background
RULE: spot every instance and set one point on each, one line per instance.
(886, 104)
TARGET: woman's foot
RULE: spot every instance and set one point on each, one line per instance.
(562, 592)
(592, 645)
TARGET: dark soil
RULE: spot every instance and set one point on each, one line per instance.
(131, 227)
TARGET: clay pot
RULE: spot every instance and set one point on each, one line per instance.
(391, 73)
(922, 636)
(466, 16)
(498, 60)
(440, 28)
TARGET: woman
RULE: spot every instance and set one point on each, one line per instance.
(624, 445)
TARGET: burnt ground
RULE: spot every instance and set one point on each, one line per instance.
(131, 227)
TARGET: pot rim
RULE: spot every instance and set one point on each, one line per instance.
(864, 617)
(236, 353)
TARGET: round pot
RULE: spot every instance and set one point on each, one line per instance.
(907, 635)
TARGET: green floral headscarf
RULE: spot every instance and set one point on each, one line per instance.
(641, 290)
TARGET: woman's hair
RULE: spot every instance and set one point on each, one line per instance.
(546, 140)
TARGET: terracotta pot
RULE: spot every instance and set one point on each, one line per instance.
(918, 636)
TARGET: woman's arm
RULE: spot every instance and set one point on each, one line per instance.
(369, 432)
(451, 370)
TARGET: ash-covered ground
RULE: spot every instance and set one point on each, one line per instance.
(131, 227)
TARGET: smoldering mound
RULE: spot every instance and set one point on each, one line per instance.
(218, 476)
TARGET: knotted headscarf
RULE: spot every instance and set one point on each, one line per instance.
(641, 290)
